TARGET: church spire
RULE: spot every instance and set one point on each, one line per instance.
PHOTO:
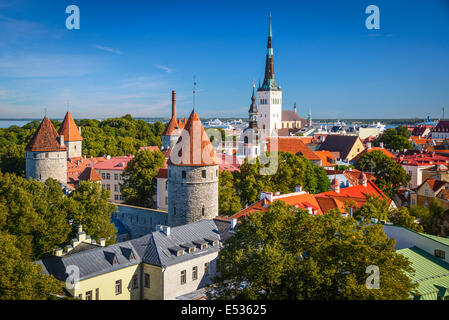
(269, 83)
(253, 112)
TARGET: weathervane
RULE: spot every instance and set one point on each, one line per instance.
(194, 91)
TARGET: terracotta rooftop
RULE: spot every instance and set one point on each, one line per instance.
(327, 159)
(45, 139)
(197, 150)
(115, 163)
(293, 145)
(89, 174)
(69, 129)
(150, 148)
(383, 150)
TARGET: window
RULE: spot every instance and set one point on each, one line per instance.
(206, 268)
(46, 155)
(147, 280)
(97, 294)
(195, 273)
(440, 254)
(166, 200)
(35, 155)
(118, 287)
(202, 212)
(204, 174)
(108, 187)
(184, 174)
(89, 295)
(183, 277)
(174, 211)
(166, 185)
(134, 282)
(116, 197)
(216, 173)
(103, 176)
(116, 187)
(80, 296)
(115, 176)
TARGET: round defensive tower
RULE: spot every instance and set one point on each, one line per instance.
(46, 154)
(72, 135)
(192, 176)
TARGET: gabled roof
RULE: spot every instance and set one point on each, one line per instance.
(69, 129)
(45, 139)
(326, 158)
(89, 174)
(197, 150)
(291, 115)
(293, 145)
(342, 144)
(434, 184)
(115, 163)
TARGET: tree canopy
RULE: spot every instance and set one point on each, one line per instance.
(395, 139)
(390, 175)
(286, 253)
(139, 185)
(228, 200)
(292, 171)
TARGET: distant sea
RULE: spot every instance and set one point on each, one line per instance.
(7, 123)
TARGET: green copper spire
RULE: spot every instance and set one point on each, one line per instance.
(269, 82)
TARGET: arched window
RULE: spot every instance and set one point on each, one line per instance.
(245, 140)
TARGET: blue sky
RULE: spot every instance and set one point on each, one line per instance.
(129, 55)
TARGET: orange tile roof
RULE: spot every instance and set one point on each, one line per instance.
(89, 174)
(163, 173)
(293, 145)
(150, 148)
(326, 157)
(197, 151)
(45, 139)
(69, 129)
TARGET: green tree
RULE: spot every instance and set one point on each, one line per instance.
(36, 213)
(21, 279)
(139, 185)
(94, 211)
(228, 201)
(286, 253)
(292, 171)
(433, 218)
(395, 139)
(389, 174)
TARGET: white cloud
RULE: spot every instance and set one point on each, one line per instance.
(109, 49)
(165, 68)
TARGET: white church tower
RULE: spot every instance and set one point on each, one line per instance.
(269, 96)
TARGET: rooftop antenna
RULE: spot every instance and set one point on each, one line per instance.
(443, 113)
(194, 91)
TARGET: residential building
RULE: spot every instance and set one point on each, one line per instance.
(162, 265)
(429, 190)
(441, 130)
(111, 172)
(370, 148)
(348, 146)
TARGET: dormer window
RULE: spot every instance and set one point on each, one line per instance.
(115, 261)
(203, 246)
(132, 257)
(192, 250)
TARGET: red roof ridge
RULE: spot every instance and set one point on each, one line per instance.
(69, 129)
(194, 155)
(46, 138)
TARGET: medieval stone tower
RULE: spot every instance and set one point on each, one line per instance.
(46, 154)
(192, 176)
(72, 136)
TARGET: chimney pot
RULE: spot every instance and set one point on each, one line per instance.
(102, 242)
(58, 252)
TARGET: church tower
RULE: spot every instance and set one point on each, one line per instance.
(72, 136)
(192, 176)
(46, 154)
(269, 95)
(251, 136)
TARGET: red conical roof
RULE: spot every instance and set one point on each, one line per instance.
(45, 139)
(69, 129)
(89, 174)
(197, 150)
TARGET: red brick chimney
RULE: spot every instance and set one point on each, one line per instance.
(173, 104)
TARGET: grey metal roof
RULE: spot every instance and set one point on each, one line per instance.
(153, 248)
